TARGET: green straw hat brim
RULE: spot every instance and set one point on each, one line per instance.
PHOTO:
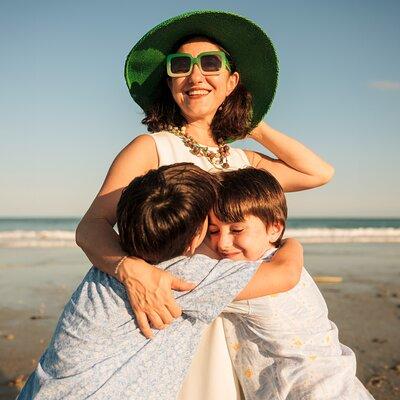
(249, 46)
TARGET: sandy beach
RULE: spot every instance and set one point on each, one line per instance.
(36, 283)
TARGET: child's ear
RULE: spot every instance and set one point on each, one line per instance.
(274, 231)
(198, 239)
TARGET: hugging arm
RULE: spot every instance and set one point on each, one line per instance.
(280, 274)
(148, 288)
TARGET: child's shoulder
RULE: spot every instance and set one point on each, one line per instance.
(98, 284)
(189, 268)
(199, 266)
(267, 256)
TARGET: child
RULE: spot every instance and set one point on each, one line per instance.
(283, 346)
(97, 350)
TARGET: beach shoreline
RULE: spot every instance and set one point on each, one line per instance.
(365, 305)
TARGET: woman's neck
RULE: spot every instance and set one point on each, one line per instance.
(201, 133)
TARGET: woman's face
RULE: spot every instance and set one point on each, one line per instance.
(199, 96)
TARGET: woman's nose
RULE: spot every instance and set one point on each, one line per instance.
(196, 75)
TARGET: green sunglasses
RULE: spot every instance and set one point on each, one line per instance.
(209, 62)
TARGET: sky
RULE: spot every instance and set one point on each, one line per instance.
(66, 112)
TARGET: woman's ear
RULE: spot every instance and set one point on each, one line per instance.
(274, 231)
(233, 81)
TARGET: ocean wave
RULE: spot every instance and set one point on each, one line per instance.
(64, 238)
(348, 235)
(22, 238)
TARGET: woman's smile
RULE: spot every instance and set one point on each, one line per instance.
(197, 92)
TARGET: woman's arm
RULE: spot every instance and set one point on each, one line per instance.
(281, 274)
(148, 288)
(296, 167)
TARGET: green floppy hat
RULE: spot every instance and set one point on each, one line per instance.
(248, 45)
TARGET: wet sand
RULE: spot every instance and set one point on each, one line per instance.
(36, 283)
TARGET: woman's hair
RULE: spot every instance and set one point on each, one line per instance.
(251, 191)
(160, 213)
(233, 121)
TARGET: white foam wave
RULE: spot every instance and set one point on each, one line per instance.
(21, 238)
(60, 238)
(341, 235)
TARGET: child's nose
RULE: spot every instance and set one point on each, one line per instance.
(224, 243)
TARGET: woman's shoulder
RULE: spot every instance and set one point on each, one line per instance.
(136, 158)
(252, 156)
(142, 143)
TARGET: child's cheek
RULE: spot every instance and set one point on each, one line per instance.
(212, 242)
(246, 242)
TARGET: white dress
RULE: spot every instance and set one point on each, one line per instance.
(211, 375)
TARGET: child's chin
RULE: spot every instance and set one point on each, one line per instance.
(236, 256)
(241, 256)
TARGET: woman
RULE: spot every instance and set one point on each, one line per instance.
(219, 82)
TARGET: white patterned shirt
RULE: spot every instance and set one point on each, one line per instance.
(283, 346)
(98, 352)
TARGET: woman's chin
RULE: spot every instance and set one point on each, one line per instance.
(195, 110)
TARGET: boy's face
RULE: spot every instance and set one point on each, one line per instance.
(247, 240)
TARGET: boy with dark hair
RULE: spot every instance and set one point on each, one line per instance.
(97, 350)
(160, 213)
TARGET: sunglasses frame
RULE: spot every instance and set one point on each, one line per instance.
(197, 61)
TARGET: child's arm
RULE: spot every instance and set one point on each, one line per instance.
(280, 274)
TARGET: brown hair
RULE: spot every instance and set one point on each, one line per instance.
(233, 121)
(159, 213)
(251, 191)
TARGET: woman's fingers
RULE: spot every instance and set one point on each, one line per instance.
(174, 309)
(160, 319)
(181, 285)
(150, 295)
(155, 320)
(166, 316)
(143, 324)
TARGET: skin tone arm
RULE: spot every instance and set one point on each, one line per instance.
(297, 167)
(279, 275)
(148, 288)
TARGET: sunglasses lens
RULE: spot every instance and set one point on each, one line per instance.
(211, 63)
(180, 65)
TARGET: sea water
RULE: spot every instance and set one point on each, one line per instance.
(60, 232)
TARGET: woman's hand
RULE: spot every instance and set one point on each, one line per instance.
(149, 291)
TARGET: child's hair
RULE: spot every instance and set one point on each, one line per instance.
(251, 191)
(159, 213)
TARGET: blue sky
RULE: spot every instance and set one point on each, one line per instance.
(66, 112)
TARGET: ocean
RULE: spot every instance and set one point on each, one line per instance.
(60, 232)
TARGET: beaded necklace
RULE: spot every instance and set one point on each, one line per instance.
(219, 158)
